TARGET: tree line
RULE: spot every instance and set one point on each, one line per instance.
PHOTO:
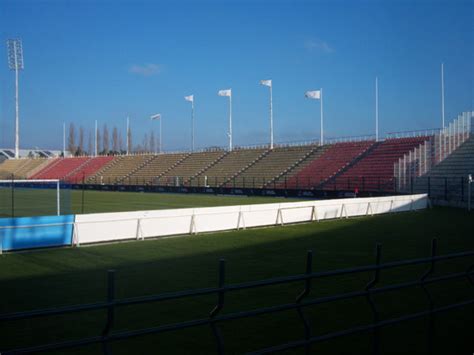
(107, 144)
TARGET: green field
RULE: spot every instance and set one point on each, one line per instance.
(77, 275)
(34, 202)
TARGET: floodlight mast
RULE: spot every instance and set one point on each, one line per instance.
(15, 62)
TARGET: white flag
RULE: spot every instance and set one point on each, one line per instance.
(189, 98)
(266, 82)
(313, 94)
(156, 117)
(227, 92)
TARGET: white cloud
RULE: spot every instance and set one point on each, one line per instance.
(146, 69)
(316, 44)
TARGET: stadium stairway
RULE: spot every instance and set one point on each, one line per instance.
(20, 168)
(45, 169)
(294, 167)
(190, 166)
(335, 158)
(233, 181)
(374, 172)
(195, 179)
(61, 168)
(228, 166)
(152, 168)
(448, 180)
(270, 166)
(90, 167)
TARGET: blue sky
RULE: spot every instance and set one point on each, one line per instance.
(104, 60)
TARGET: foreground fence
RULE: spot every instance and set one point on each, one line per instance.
(300, 305)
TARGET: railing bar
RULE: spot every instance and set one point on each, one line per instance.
(198, 322)
(199, 292)
(384, 323)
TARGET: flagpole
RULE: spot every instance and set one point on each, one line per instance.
(192, 125)
(96, 143)
(64, 139)
(376, 109)
(322, 120)
(271, 118)
(230, 122)
(442, 94)
(128, 135)
(161, 144)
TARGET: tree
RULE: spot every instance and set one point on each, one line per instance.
(80, 149)
(115, 141)
(71, 146)
(105, 140)
(120, 142)
(99, 141)
(145, 143)
(152, 142)
(90, 147)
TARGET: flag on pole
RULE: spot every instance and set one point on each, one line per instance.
(266, 83)
(313, 94)
(156, 117)
(189, 98)
(227, 92)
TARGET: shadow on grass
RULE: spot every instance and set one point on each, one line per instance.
(69, 276)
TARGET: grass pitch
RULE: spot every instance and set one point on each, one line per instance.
(57, 277)
(40, 202)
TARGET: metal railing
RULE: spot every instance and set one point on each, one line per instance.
(299, 304)
(433, 151)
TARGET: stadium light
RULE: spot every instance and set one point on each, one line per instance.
(128, 135)
(269, 84)
(15, 62)
(190, 98)
(228, 93)
(158, 117)
(317, 95)
(96, 139)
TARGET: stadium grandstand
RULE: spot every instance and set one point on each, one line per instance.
(358, 166)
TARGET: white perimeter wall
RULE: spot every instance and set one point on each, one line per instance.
(103, 227)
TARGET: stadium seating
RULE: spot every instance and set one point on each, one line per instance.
(334, 158)
(230, 165)
(60, 168)
(88, 169)
(271, 166)
(191, 166)
(118, 168)
(20, 168)
(375, 170)
(154, 168)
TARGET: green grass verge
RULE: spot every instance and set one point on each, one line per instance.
(57, 277)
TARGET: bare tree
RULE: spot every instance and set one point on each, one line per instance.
(105, 139)
(120, 142)
(115, 140)
(72, 139)
(152, 142)
(99, 143)
(145, 143)
(81, 140)
(90, 148)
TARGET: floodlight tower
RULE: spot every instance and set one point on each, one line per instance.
(15, 62)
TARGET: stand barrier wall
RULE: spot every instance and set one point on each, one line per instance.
(106, 227)
(35, 232)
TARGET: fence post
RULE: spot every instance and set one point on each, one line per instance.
(301, 296)
(218, 308)
(110, 310)
(368, 288)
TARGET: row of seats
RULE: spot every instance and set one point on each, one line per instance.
(21, 168)
(375, 171)
(60, 168)
(329, 163)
